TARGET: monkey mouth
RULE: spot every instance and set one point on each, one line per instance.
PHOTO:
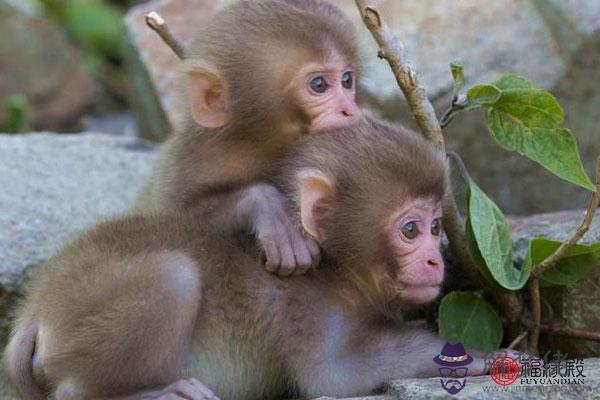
(418, 293)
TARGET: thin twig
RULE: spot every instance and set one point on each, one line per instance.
(457, 106)
(392, 50)
(582, 229)
(570, 332)
(536, 313)
(158, 25)
(548, 262)
(517, 340)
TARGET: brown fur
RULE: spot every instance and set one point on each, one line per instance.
(256, 46)
(114, 311)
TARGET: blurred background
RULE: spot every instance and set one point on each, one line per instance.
(81, 65)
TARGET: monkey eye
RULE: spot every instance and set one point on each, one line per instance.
(347, 80)
(318, 84)
(410, 230)
(436, 227)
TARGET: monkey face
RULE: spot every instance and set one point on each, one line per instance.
(326, 91)
(415, 239)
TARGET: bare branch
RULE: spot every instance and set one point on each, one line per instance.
(583, 227)
(536, 313)
(548, 262)
(158, 25)
(392, 50)
(517, 340)
(570, 332)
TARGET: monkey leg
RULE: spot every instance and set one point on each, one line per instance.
(123, 328)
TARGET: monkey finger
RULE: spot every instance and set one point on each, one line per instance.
(301, 254)
(272, 256)
(315, 251)
(190, 389)
(288, 260)
(201, 388)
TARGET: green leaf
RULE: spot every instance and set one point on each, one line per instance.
(16, 114)
(466, 317)
(483, 95)
(491, 236)
(578, 261)
(458, 75)
(475, 253)
(96, 24)
(512, 81)
(552, 147)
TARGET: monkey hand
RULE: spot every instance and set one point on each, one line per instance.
(287, 251)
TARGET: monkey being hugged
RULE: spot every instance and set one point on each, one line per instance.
(260, 76)
(162, 307)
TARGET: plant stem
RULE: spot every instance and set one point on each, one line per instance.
(548, 262)
(158, 25)
(582, 229)
(570, 332)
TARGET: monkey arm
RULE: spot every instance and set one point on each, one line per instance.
(263, 210)
(375, 357)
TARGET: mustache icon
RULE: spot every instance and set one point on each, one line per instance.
(453, 386)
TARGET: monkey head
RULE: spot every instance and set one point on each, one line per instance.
(371, 196)
(276, 68)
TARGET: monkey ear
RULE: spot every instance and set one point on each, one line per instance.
(207, 96)
(316, 195)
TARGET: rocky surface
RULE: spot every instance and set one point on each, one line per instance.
(39, 62)
(53, 186)
(483, 387)
(555, 44)
(576, 306)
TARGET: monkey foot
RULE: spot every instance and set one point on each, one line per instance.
(188, 389)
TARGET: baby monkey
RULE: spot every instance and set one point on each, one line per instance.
(136, 305)
(261, 75)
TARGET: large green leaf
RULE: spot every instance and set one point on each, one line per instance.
(531, 105)
(578, 261)
(466, 317)
(528, 119)
(491, 236)
(552, 147)
(475, 253)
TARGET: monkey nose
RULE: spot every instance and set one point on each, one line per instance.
(350, 110)
(433, 262)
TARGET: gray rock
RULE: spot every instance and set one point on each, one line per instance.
(39, 62)
(555, 226)
(56, 185)
(576, 306)
(482, 388)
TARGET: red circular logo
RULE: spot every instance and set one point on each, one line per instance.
(505, 371)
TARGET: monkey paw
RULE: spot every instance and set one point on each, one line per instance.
(188, 389)
(287, 252)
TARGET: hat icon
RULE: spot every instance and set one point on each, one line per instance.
(453, 355)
